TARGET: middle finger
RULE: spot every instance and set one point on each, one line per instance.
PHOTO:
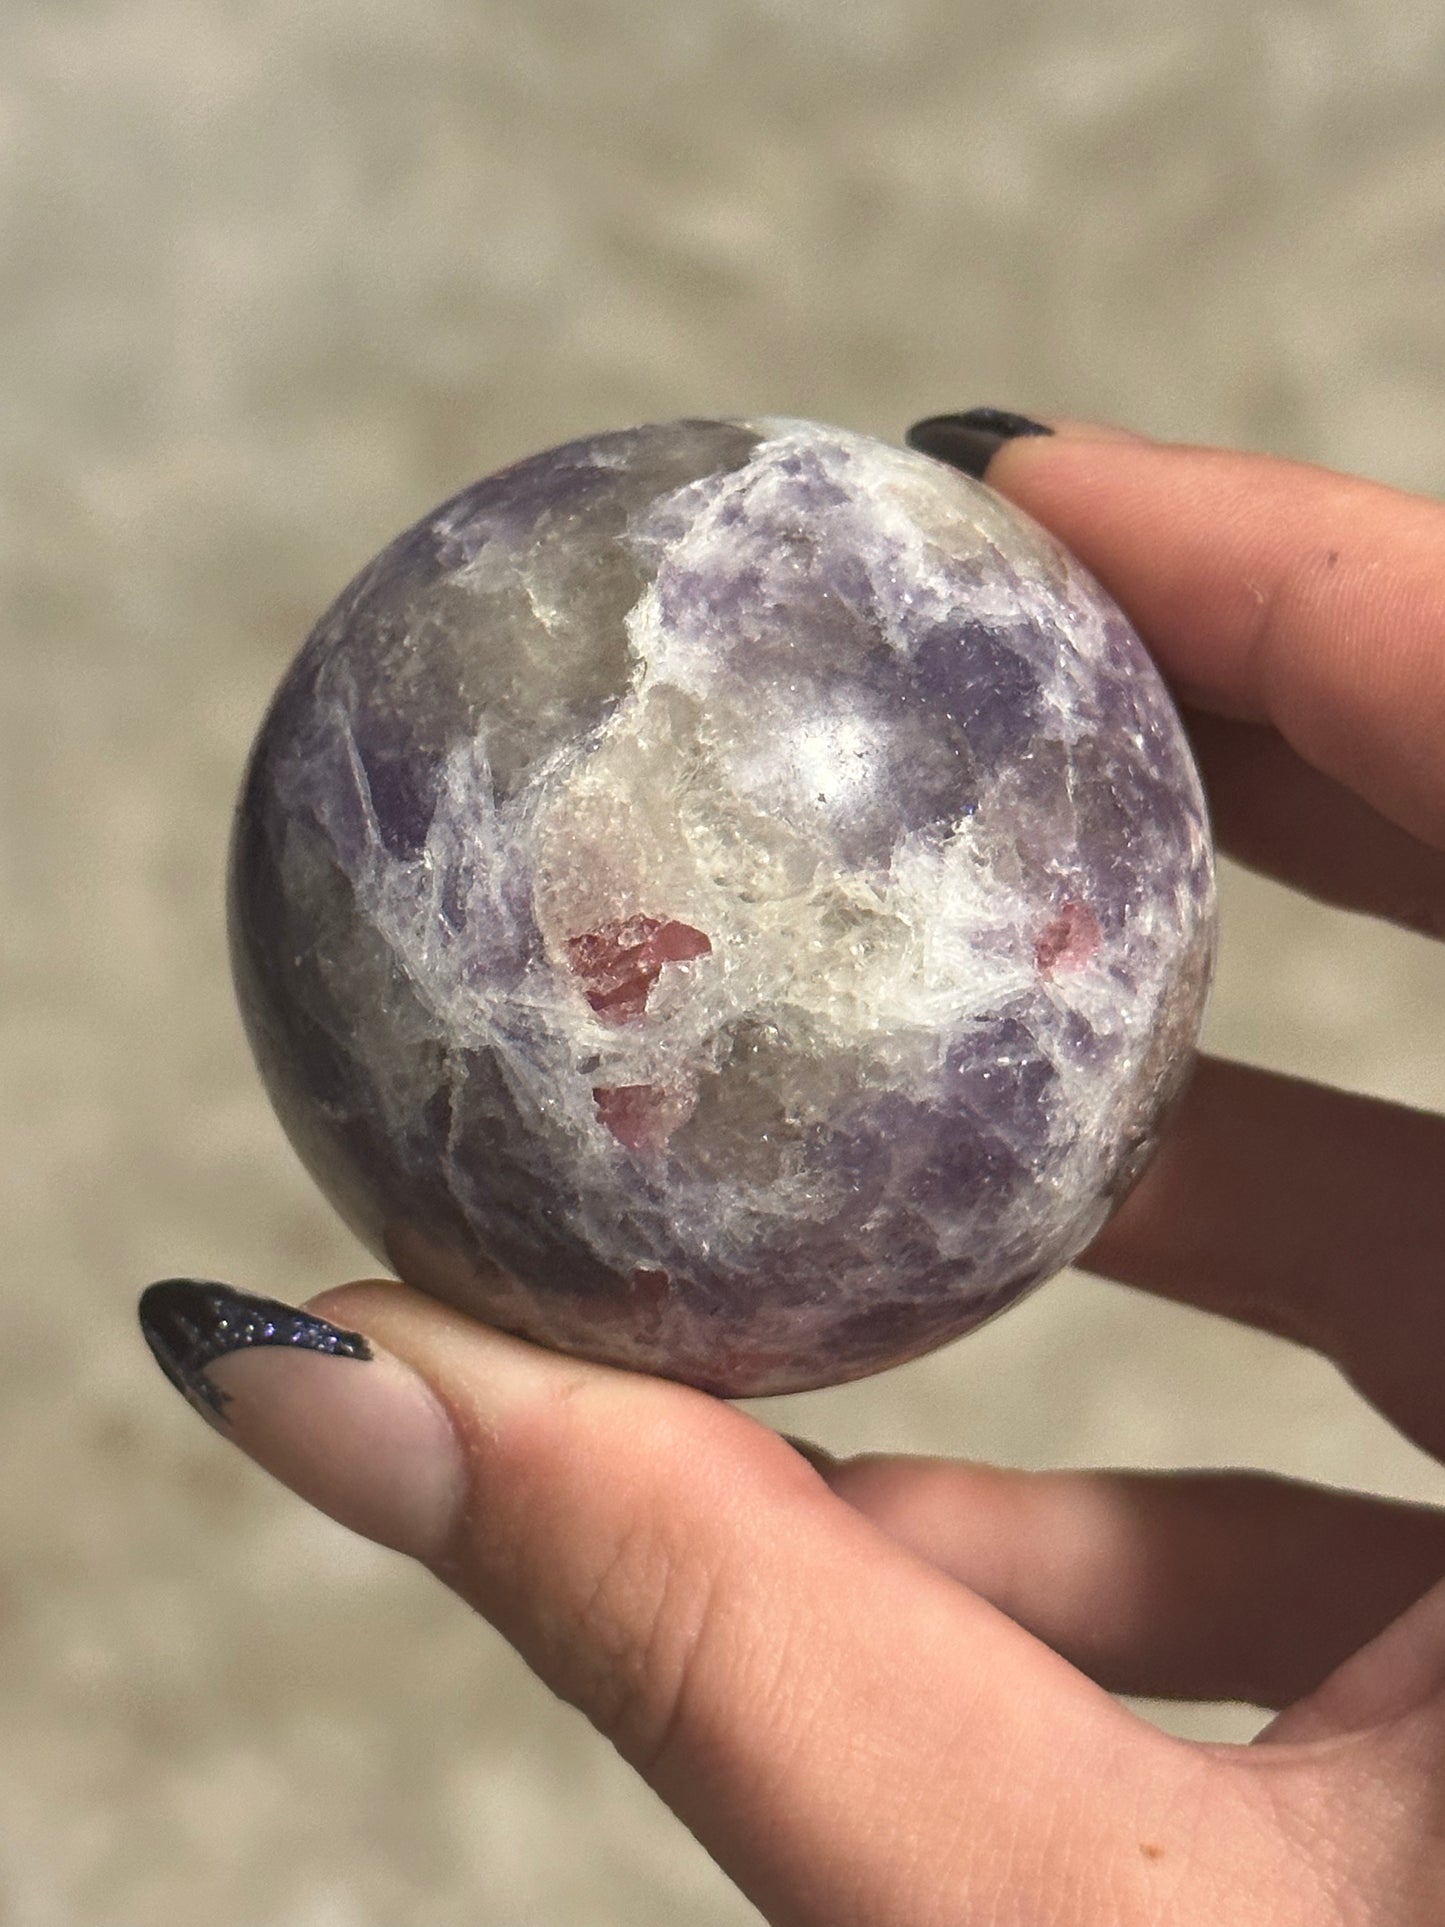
(1184, 1585)
(1280, 815)
(1309, 1212)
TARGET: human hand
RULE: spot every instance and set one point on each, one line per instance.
(879, 1692)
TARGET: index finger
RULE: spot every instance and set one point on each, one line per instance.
(1269, 591)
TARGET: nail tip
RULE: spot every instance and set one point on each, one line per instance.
(191, 1323)
(172, 1320)
(968, 441)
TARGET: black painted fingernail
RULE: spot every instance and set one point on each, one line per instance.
(971, 440)
(822, 1462)
(189, 1323)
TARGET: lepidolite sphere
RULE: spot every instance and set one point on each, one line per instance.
(732, 899)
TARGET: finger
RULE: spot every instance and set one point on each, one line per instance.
(1399, 1674)
(1209, 1585)
(851, 1735)
(1275, 812)
(1312, 1213)
(1268, 591)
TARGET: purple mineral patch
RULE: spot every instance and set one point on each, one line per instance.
(729, 898)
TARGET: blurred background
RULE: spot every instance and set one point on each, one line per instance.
(274, 279)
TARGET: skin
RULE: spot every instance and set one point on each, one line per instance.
(879, 1691)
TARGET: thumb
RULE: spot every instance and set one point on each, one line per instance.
(850, 1734)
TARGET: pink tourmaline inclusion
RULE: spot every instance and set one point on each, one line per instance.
(620, 962)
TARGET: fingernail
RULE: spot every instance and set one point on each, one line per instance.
(190, 1323)
(971, 440)
(347, 1426)
(822, 1462)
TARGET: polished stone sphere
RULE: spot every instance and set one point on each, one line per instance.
(731, 898)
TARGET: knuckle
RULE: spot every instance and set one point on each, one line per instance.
(642, 1632)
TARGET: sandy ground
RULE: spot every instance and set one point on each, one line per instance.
(277, 277)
